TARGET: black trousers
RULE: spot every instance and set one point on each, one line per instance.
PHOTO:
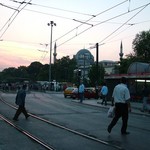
(21, 109)
(104, 99)
(121, 110)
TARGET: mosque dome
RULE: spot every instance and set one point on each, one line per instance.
(84, 56)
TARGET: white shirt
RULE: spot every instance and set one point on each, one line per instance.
(121, 93)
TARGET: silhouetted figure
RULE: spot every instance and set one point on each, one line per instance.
(20, 101)
(145, 97)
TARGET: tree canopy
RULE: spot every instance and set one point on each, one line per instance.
(62, 70)
(94, 77)
(141, 51)
(141, 45)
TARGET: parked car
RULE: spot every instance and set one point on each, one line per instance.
(68, 91)
(89, 93)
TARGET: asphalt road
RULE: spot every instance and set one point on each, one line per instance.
(89, 120)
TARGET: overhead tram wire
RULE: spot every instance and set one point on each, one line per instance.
(21, 2)
(49, 14)
(122, 14)
(103, 22)
(130, 25)
(63, 10)
(10, 18)
(143, 7)
(94, 25)
(99, 24)
(119, 33)
(54, 8)
(8, 6)
(125, 23)
(86, 23)
(18, 11)
(112, 7)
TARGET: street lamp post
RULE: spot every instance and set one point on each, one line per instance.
(50, 24)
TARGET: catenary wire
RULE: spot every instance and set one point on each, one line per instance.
(85, 22)
(104, 22)
(54, 8)
(8, 7)
(123, 24)
(18, 11)
(88, 21)
(79, 34)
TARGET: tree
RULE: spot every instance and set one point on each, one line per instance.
(141, 46)
(21, 73)
(34, 69)
(8, 74)
(93, 74)
(141, 51)
(13, 74)
(125, 63)
(43, 74)
(63, 69)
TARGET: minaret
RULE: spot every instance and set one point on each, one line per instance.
(55, 54)
(121, 51)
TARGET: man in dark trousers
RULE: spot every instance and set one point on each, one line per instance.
(103, 93)
(20, 101)
(121, 97)
(81, 91)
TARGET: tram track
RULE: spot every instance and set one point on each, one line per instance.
(57, 125)
(134, 113)
(89, 137)
(26, 133)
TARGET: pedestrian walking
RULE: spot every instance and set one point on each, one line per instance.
(81, 91)
(121, 97)
(20, 101)
(103, 93)
(145, 97)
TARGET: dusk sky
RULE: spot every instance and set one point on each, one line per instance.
(25, 35)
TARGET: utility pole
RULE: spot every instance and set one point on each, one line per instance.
(97, 75)
(97, 51)
(50, 24)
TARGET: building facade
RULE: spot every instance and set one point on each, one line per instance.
(84, 60)
(109, 66)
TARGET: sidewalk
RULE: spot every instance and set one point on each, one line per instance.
(136, 106)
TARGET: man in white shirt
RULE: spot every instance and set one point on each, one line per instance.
(121, 97)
